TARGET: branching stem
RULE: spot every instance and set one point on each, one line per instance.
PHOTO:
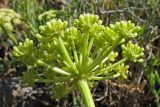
(101, 71)
(103, 54)
(66, 55)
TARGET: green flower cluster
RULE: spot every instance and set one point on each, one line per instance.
(25, 52)
(47, 15)
(122, 70)
(126, 29)
(133, 52)
(85, 50)
(8, 18)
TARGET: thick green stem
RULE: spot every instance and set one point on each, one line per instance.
(83, 87)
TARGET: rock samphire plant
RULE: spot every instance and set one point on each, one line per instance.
(74, 56)
(8, 19)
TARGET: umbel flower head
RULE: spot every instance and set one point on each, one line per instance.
(8, 18)
(47, 15)
(87, 50)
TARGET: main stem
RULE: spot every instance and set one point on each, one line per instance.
(83, 87)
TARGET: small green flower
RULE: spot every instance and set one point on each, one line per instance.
(122, 70)
(112, 56)
(133, 52)
(85, 22)
(126, 29)
(8, 18)
(71, 33)
(53, 28)
(47, 15)
(8, 26)
(26, 52)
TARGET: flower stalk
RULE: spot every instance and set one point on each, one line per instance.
(85, 92)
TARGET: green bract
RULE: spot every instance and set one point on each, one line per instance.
(85, 51)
